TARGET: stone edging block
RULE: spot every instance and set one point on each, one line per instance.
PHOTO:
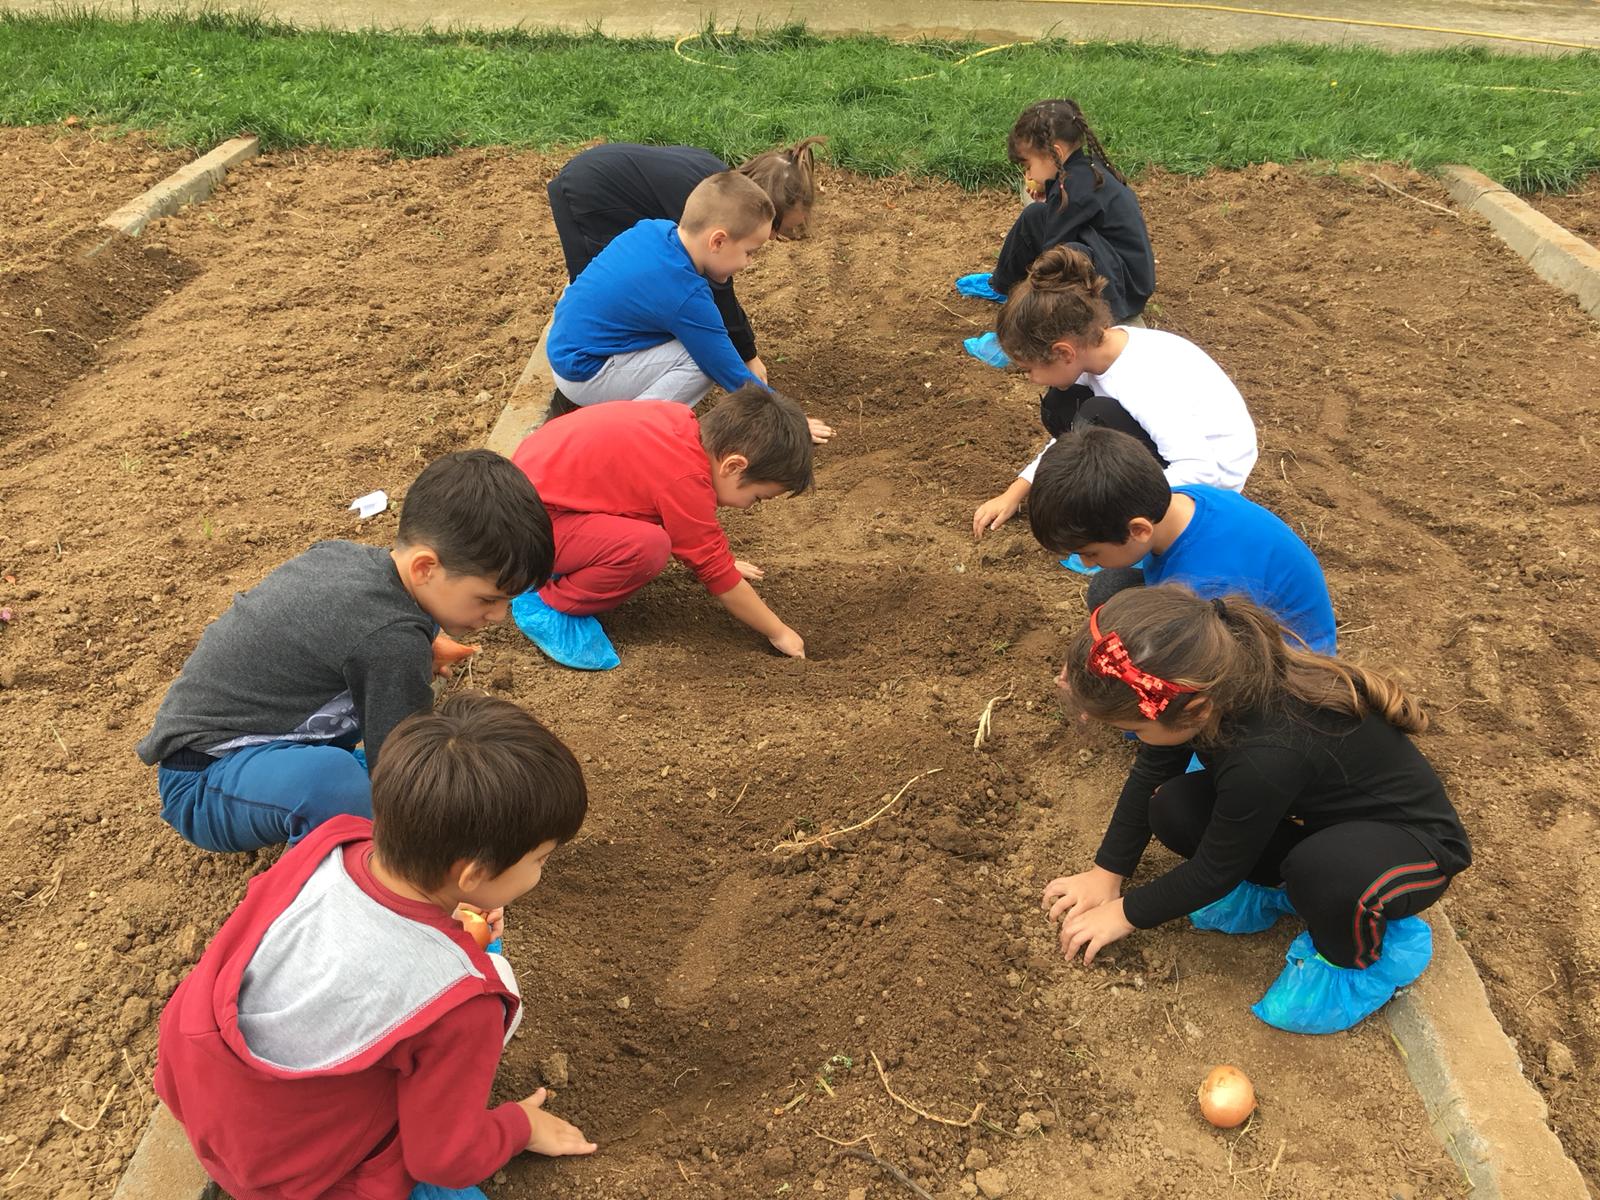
(1556, 255)
(184, 186)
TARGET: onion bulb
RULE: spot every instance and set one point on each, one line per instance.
(475, 924)
(1227, 1097)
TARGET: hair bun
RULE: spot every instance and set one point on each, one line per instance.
(1061, 269)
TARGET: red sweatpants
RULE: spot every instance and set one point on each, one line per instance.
(602, 560)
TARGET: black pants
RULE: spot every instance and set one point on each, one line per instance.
(1347, 881)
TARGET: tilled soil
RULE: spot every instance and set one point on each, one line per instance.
(1578, 210)
(327, 323)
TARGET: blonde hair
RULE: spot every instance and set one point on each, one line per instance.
(787, 175)
(1233, 652)
(1059, 299)
(727, 201)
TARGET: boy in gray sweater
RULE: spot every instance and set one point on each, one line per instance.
(254, 739)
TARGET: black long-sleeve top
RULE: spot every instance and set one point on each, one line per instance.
(1319, 767)
(1106, 219)
(612, 187)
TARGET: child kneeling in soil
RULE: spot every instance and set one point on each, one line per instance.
(1079, 200)
(1154, 386)
(340, 1034)
(629, 485)
(640, 322)
(1312, 800)
(256, 737)
(1100, 494)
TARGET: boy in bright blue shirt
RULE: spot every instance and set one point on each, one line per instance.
(1101, 495)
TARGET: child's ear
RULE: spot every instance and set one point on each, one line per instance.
(733, 466)
(1140, 529)
(422, 564)
(718, 239)
(469, 874)
(1066, 352)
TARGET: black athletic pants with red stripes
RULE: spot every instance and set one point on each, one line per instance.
(1346, 881)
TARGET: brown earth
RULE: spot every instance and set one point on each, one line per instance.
(336, 320)
(1578, 209)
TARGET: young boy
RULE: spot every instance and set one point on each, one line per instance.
(640, 321)
(340, 1034)
(629, 485)
(1100, 494)
(333, 648)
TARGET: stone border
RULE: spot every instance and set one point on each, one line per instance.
(186, 185)
(1556, 255)
(1488, 1116)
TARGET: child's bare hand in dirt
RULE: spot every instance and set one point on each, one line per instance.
(1093, 930)
(756, 367)
(550, 1134)
(789, 642)
(994, 513)
(820, 431)
(749, 570)
(1071, 895)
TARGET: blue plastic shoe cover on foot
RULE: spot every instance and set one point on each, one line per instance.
(572, 641)
(1073, 563)
(986, 349)
(432, 1191)
(978, 287)
(1314, 996)
(1249, 908)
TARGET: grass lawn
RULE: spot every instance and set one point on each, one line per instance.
(1529, 121)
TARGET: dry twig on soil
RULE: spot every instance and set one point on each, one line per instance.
(794, 844)
(987, 718)
(889, 1169)
(100, 1112)
(1449, 212)
(922, 1112)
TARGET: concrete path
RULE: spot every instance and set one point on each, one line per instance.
(986, 20)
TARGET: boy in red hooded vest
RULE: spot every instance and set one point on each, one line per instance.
(340, 1035)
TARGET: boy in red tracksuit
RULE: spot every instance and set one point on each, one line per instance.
(339, 1037)
(629, 485)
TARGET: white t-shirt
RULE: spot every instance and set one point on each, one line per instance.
(1187, 405)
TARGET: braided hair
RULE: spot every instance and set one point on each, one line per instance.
(1050, 121)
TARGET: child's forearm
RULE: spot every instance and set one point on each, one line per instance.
(1019, 489)
(743, 602)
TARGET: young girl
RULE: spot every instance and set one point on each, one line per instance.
(1161, 388)
(1080, 200)
(1312, 800)
(612, 187)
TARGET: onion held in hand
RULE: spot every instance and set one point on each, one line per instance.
(1227, 1097)
(475, 924)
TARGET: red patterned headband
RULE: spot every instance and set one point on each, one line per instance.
(1109, 658)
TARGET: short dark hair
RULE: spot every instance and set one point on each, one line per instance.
(479, 513)
(1089, 485)
(477, 780)
(768, 429)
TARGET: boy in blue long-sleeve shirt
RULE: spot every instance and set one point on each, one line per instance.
(1100, 494)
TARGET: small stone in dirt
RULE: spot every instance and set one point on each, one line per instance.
(624, 1003)
(485, 397)
(977, 1159)
(502, 679)
(554, 1070)
(1027, 1123)
(857, 1194)
(993, 1183)
(189, 943)
(135, 1013)
(777, 1161)
(1559, 1060)
(1404, 1191)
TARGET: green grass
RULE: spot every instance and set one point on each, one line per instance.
(1530, 121)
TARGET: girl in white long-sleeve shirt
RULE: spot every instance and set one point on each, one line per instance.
(1158, 387)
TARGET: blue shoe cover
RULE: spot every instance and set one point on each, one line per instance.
(1249, 908)
(986, 349)
(978, 287)
(1073, 563)
(572, 641)
(432, 1191)
(1314, 996)
(495, 947)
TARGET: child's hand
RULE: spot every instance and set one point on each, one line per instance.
(550, 1134)
(1071, 895)
(756, 367)
(495, 917)
(820, 431)
(749, 570)
(1093, 930)
(994, 513)
(789, 642)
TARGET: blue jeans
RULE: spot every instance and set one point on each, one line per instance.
(264, 795)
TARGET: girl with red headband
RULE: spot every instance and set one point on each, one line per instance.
(1313, 801)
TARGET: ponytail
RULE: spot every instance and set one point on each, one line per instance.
(787, 175)
(1060, 299)
(1234, 653)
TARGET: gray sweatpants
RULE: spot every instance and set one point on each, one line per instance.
(664, 372)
